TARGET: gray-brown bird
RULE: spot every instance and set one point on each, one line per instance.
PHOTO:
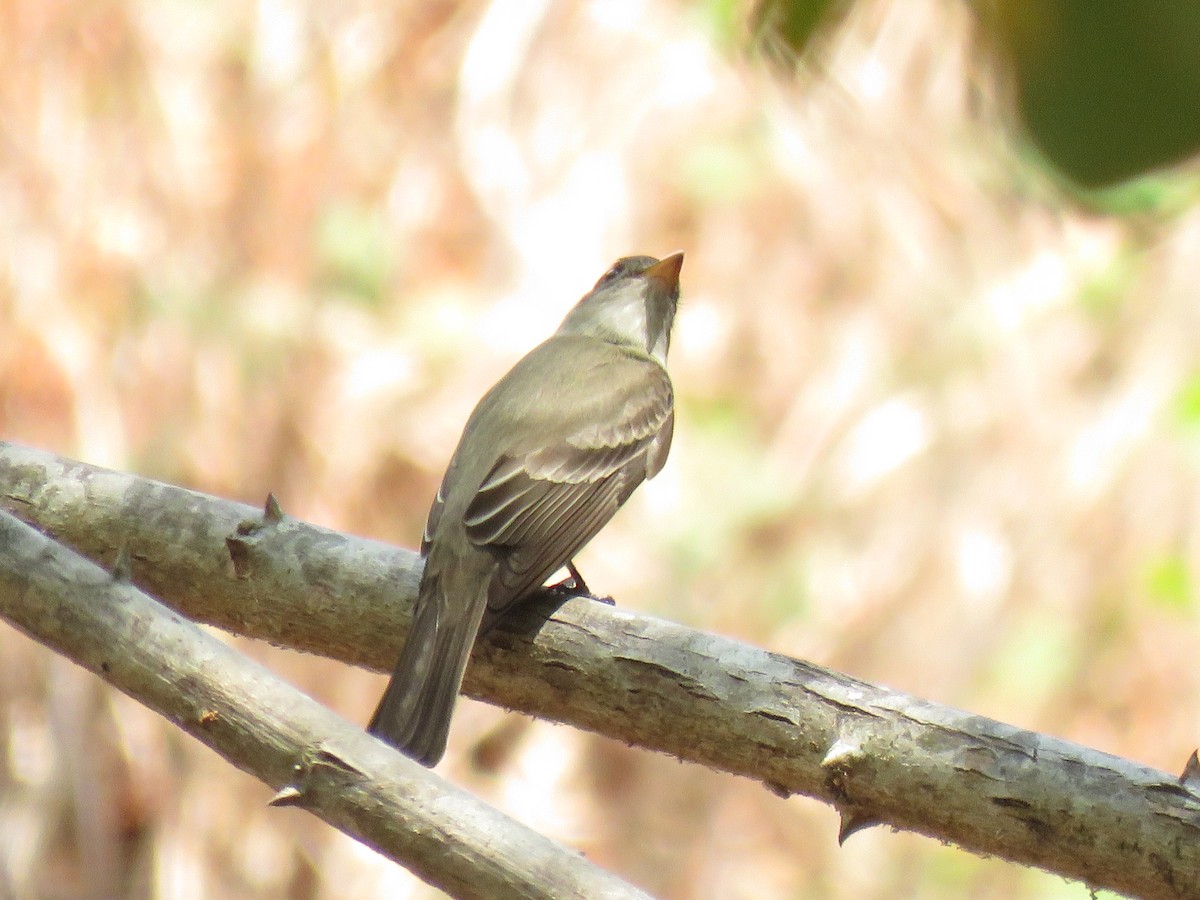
(547, 457)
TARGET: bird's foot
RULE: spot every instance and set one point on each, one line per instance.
(574, 586)
(576, 580)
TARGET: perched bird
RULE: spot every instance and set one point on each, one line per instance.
(550, 453)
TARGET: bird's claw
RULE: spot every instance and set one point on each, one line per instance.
(577, 582)
(574, 586)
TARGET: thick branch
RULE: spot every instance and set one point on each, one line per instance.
(271, 730)
(878, 756)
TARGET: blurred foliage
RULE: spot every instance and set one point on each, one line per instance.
(937, 419)
(1107, 89)
(1169, 583)
(352, 249)
(794, 25)
(1154, 194)
(1188, 403)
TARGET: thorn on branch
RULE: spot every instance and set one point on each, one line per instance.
(1190, 778)
(287, 796)
(291, 794)
(855, 820)
(240, 554)
(778, 789)
(272, 511)
(122, 570)
(272, 515)
(239, 549)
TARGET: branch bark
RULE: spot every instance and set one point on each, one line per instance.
(268, 728)
(878, 756)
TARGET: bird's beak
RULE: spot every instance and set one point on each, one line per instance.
(665, 272)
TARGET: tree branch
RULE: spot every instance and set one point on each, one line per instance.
(878, 756)
(274, 732)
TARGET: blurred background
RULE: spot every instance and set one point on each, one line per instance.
(939, 406)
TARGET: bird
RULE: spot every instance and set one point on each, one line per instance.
(546, 458)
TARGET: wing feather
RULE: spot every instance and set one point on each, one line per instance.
(492, 517)
(528, 567)
(435, 511)
(537, 509)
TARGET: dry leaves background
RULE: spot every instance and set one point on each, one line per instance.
(939, 427)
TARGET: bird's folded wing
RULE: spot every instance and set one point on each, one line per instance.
(542, 506)
(435, 511)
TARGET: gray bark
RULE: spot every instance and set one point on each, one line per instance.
(878, 756)
(318, 760)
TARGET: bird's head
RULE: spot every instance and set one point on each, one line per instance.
(633, 304)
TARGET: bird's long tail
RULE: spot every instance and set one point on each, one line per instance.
(414, 713)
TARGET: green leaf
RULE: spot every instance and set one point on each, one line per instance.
(352, 251)
(1168, 582)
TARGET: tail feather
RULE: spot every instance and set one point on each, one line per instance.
(414, 713)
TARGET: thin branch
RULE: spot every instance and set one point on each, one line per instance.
(878, 756)
(266, 727)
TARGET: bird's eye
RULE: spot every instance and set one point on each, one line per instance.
(616, 269)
